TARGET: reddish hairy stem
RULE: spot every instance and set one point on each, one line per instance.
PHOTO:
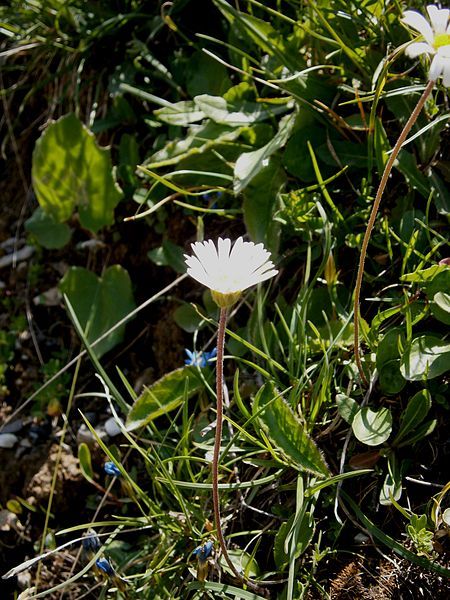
(376, 205)
(216, 454)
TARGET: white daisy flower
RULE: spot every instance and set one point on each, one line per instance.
(226, 270)
(436, 40)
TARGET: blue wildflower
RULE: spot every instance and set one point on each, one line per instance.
(91, 542)
(204, 551)
(199, 359)
(111, 469)
(104, 565)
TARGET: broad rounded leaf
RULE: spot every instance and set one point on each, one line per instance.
(441, 307)
(372, 427)
(428, 356)
(99, 302)
(47, 232)
(390, 377)
(70, 170)
(347, 407)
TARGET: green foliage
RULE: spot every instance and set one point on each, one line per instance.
(165, 395)
(273, 120)
(70, 170)
(46, 231)
(90, 297)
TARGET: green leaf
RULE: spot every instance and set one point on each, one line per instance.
(186, 317)
(392, 485)
(204, 74)
(243, 562)
(347, 153)
(390, 377)
(419, 433)
(347, 407)
(304, 531)
(296, 156)
(425, 276)
(168, 255)
(249, 164)
(259, 205)
(287, 432)
(415, 412)
(163, 396)
(236, 113)
(99, 303)
(441, 307)
(406, 164)
(69, 169)
(442, 194)
(180, 113)
(84, 456)
(46, 231)
(372, 427)
(428, 356)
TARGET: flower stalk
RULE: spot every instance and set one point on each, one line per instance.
(376, 205)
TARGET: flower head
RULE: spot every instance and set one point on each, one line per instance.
(111, 469)
(436, 35)
(199, 359)
(91, 542)
(227, 270)
(105, 566)
(204, 551)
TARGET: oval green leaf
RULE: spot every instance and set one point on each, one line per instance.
(372, 427)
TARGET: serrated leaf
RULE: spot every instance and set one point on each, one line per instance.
(70, 170)
(415, 412)
(428, 356)
(287, 433)
(372, 427)
(163, 396)
(99, 303)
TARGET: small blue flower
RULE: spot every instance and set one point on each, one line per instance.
(204, 551)
(199, 359)
(111, 469)
(91, 542)
(104, 565)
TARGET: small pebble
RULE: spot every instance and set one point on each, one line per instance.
(8, 440)
(111, 427)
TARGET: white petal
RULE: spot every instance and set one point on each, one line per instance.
(419, 23)
(417, 48)
(438, 18)
(436, 68)
(446, 76)
(224, 249)
(444, 51)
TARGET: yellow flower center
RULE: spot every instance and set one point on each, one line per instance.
(442, 39)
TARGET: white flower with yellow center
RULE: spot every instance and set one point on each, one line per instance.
(226, 270)
(437, 40)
